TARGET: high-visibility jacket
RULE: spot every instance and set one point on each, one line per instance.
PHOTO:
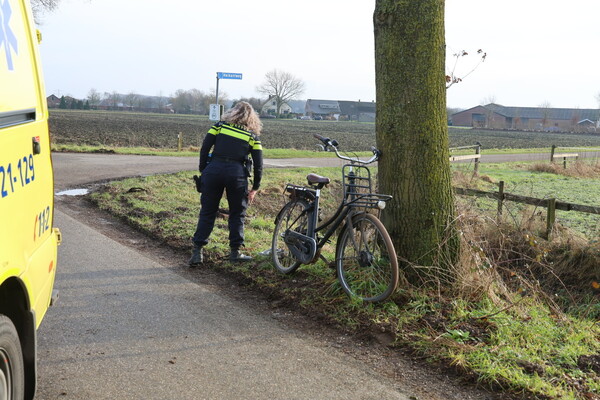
(235, 144)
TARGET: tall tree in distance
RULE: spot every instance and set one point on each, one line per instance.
(546, 111)
(255, 102)
(281, 86)
(114, 99)
(412, 130)
(94, 97)
(130, 99)
(198, 100)
(181, 101)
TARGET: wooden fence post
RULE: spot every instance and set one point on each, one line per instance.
(500, 199)
(179, 141)
(477, 151)
(552, 153)
(550, 218)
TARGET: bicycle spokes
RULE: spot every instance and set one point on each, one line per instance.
(292, 218)
(366, 262)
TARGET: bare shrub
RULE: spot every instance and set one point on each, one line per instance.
(578, 169)
(505, 260)
(469, 179)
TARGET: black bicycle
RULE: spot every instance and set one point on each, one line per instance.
(365, 258)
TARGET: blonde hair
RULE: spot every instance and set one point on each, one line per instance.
(244, 115)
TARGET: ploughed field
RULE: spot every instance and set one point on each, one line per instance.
(114, 129)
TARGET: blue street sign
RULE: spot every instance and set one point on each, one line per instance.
(228, 75)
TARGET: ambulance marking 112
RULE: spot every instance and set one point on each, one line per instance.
(42, 223)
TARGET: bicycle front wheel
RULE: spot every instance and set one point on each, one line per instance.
(292, 217)
(366, 261)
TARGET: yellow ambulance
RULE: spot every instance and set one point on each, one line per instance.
(28, 240)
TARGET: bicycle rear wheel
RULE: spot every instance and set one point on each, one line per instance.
(292, 217)
(366, 261)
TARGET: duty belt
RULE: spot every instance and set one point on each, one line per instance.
(227, 159)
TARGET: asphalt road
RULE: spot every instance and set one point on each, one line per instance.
(76, 169)
(127, 326)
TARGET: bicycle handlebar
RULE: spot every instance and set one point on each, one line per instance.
(334, 144)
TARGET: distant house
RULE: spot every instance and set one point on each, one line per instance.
(340, 109)
(113, 105)
(297, 106)
(322, 108)
(156, 104)
(53, 101)
(358, 110)
(588, 125)
(270, 107)
(495, 116)
(69, 102)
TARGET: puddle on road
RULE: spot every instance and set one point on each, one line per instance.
(73, 192)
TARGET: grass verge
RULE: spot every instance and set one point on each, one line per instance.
(188, 151)
(191, 151)
(496, 322)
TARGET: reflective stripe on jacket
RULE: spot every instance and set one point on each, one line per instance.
(234, 143)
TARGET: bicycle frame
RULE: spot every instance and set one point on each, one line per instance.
(346, 210)
(313, 226)
(333, 222)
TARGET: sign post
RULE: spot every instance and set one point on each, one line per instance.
(221, 75)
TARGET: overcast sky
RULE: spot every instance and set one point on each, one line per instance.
(538, 51)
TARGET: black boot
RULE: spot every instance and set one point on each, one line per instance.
(235, 255)
(197, 257)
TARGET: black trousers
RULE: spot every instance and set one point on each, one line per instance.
(216, 177)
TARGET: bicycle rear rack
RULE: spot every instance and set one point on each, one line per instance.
(297, 191)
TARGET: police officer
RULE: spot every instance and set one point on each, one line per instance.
(234, 141)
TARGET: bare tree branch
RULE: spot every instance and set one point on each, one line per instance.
(452, 78)
(38, 7)
(282, 86)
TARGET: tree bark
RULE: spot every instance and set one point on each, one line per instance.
(412, 129)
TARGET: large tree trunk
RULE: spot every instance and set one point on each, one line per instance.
(412, 128)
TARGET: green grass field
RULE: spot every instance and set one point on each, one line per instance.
(521, 180)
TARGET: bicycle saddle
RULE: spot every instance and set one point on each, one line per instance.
(314, 179)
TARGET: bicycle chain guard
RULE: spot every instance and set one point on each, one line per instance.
(303, 248)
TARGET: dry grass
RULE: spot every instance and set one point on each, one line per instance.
(577, 169)
(504, 258)
(507, 257)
